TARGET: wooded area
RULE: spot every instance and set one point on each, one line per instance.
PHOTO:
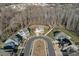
(11, 20)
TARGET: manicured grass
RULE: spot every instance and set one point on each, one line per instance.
(50, 34)
(21, 44)
(46, 30)
(1, 44)
(32, 32)
(73, 35)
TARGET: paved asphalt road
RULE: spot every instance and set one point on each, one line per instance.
(29, 45)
